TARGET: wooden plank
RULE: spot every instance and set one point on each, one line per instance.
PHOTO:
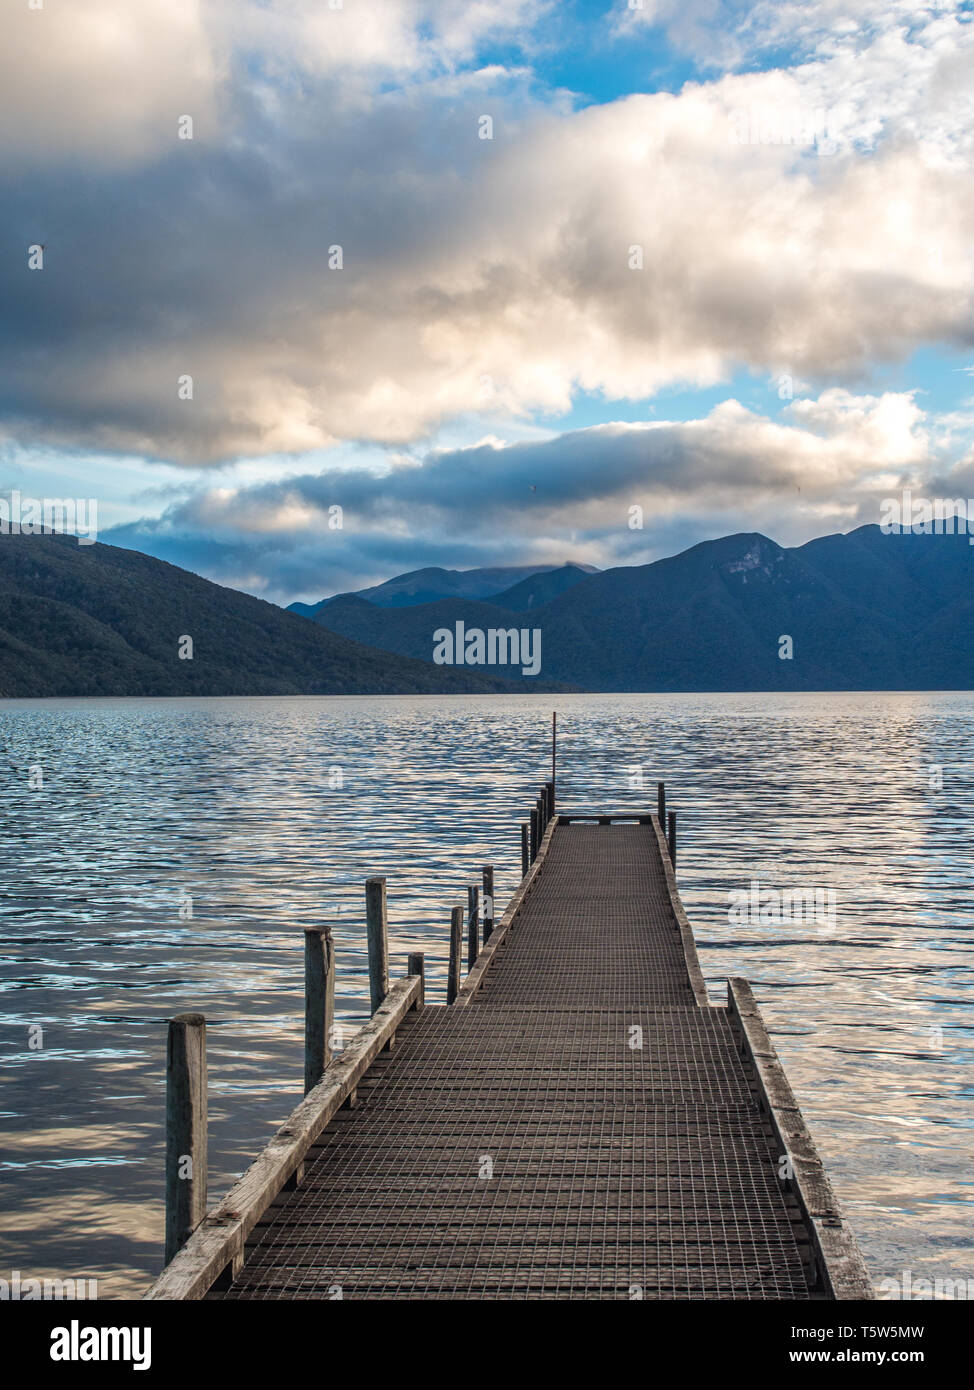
(218, 1242)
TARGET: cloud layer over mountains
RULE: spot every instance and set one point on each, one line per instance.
(806, 219)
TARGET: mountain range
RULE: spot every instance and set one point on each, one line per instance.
(512, 587)
(845, 612)
(99, 620)
(862, 611)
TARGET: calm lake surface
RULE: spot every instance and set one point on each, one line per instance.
(230, 809)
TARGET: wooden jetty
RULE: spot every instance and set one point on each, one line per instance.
(580, 1123)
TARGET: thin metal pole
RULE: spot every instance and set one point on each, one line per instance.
(456, 947)
(554, 747)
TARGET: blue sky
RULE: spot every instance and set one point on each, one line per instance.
(488, 377)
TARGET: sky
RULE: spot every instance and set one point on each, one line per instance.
(505, 281)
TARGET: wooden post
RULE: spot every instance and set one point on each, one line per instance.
(456, 947)
(488, 876)
(550, 792)
(672, 838)
(661, 804)
(473, 924)
(554, 746)
(319, 1002)
(541, 819)
(416, 965)
(534, 833)
(377, 929)
(185, 1129)
(525, 849)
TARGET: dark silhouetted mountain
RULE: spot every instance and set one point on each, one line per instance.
(541, 588)
(863, 611)
(98, 620)
(429, 585)
(410, 631)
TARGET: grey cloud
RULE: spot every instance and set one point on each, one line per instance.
(465, 260)
(540, 502)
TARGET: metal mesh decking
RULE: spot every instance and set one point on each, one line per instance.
(581, 1130)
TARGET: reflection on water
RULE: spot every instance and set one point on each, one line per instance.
(231, 810)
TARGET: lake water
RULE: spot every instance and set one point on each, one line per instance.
(230, 809)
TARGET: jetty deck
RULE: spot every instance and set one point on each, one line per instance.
(580, 1124)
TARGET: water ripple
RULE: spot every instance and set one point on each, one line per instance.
(178, 847)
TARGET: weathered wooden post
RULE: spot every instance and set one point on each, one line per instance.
(661, 804)
(185, 1129)
(541, 820)
(473, 924)
(534, 833)
(416, 965)
(456, 946)
(550, 792)
(319, 1002)
(377, 930)
(525, 849)
(488, 877)
(672, 838)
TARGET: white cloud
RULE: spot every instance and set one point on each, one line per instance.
(102, 81)
(107, 81)
(825, 466)
(728, 33)
(479, 276)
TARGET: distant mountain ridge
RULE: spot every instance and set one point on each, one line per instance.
(431, 584)
(847, 612)
(862, 611)
(99, 620)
